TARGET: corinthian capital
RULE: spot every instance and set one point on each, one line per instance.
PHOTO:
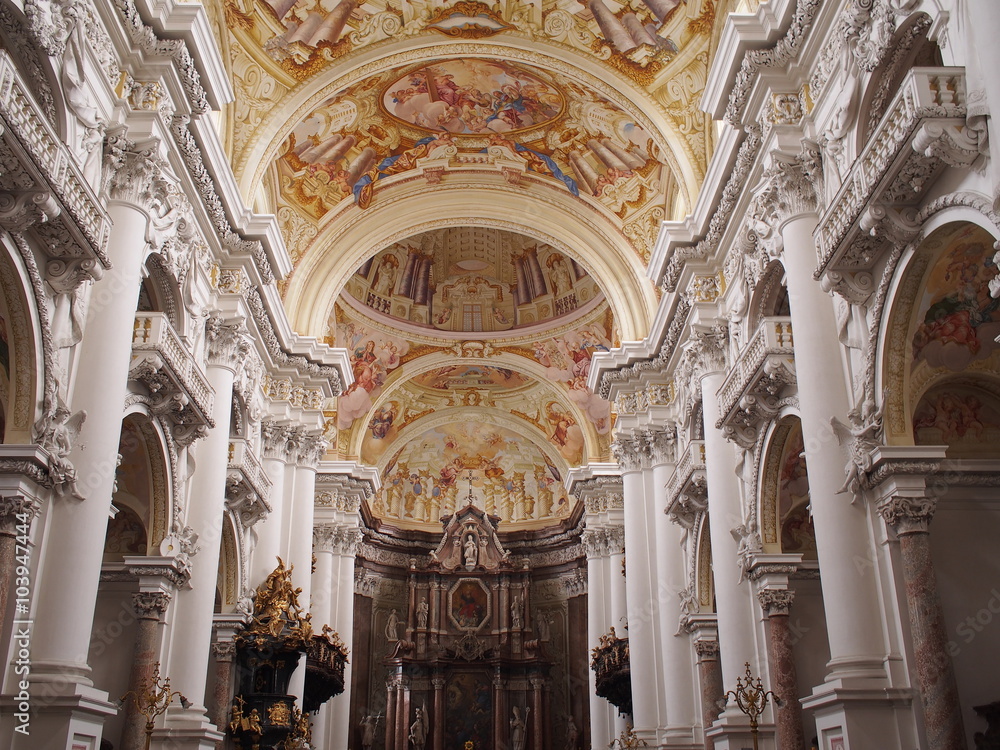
(775, 601)
(324, 537)
(630, 452)
(150, 605)
(705, 352)
(909, 515)
(137, 175)
(275, 439)
(17, 510)
(792, 185)
(661, 445)
(227, 342)
(311, 449)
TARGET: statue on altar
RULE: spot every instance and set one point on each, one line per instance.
(471, 551)
(418, 731)
(519, 728)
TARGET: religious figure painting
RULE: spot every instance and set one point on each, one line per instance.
(469, 709)
(468, 95)
(469, 605)
(958, 320)
(964, 418)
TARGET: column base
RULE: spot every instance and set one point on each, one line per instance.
(732, 732)
(61, 716)
(862, 714)
(680, 738)
(187, 729)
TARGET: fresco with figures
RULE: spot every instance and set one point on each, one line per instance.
(505, 473)
(958, 320)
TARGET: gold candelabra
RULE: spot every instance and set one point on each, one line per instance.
(628, 740)
(751, 698)
(153, 699)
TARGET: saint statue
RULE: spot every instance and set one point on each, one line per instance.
(519, 728)
(471, 551)
(392, 627)
(422, 614)
(418, 731)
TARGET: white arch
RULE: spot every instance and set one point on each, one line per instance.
(407, 208)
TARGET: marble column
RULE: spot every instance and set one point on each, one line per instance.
(191, 636)
(910, 518)
(776, 604)
(324, 536)
(390, 714)
(437, 681)
(149, 607)
(223, 652)
(853, 608)
(538, 715)
(69, 573)
(710, 680)
(16, 515)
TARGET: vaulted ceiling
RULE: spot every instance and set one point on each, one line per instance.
(470, 194)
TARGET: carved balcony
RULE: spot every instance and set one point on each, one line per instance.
(177, 386)
(687, 488)
(613, 675)
(325, 665)
(760, 382)
(922, 131)
(42, 189)
(247, 487)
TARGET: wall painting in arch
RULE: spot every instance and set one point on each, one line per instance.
(957, 319)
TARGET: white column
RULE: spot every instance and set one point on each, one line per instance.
(733, 604)
(191, 632)
(322, 606)
(340, 706)
(983, 19)
(69, 571)
(298, 543)
(268, 530)
(852, 605)
(598, 622)
(677, 667)
(618, 598)
(641, 595)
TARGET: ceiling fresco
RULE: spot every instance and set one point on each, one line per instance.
(473, 280)
(470, 341)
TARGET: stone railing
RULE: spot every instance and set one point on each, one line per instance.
(773, 338)
(77, 225)
(923, 131)
(162, 361)
(244, 466)
(690, 467)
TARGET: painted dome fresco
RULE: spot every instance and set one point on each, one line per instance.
(474, 280)
(472, 96)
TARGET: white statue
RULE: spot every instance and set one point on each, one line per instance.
(471, 551)
(422, 614)
(392, 627)
(519, 728)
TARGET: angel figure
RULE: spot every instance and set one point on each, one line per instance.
(861, 437)
(56, 434)
(748, 545)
